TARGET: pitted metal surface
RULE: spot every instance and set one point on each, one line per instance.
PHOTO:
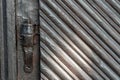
(27, 28)
(28, 9)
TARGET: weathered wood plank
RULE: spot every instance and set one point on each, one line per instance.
(2, 72)
(7, 40)
(83, 32)
(11, 40)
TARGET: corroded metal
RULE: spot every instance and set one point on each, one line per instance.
(27, 33)
(27, 26)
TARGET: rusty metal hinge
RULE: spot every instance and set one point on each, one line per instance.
(27, 34)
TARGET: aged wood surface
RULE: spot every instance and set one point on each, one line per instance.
(80, 39)
(1, 42)
(7, 40)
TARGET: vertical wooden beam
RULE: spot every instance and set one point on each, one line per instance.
(11, 39)
(2, 76)
(7, 40)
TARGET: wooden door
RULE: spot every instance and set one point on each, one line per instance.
(79, 39)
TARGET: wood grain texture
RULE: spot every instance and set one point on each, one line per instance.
(8, 40)
(81, 35)
(1, 43)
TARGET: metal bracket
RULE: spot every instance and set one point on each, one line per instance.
(27, 33)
